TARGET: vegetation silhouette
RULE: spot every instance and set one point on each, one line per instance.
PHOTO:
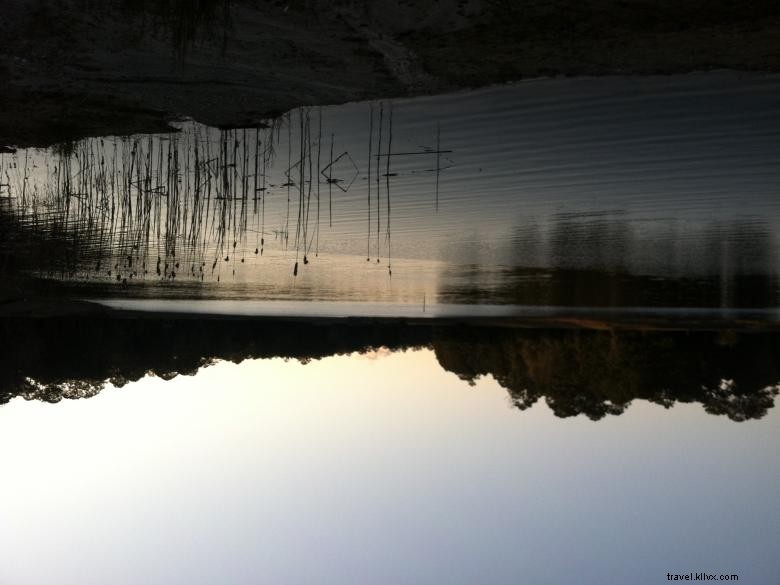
(589, 372)
(106, 214)
(599, 373)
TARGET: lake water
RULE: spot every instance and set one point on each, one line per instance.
(655, 193)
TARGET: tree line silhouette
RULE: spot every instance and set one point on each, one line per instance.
(596, 373)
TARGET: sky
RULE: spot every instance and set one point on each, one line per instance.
(375, 469)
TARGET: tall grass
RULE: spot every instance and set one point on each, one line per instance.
(169, 206)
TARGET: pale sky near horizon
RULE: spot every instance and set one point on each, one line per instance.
(384, 470)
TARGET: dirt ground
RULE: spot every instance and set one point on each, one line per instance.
(74, 68)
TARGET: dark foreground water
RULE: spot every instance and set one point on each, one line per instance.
(649, 193)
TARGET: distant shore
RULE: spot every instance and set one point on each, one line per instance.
(578, 368)
(70, 72)
(53, 308)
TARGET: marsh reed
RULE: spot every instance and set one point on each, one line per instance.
(192, 205)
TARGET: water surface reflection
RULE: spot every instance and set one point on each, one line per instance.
(660, 193)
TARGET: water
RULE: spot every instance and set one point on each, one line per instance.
(378, 468)
(655, 193)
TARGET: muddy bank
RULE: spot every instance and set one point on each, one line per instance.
(73, 68)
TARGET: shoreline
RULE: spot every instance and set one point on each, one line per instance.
(596, 319)
(579, 368)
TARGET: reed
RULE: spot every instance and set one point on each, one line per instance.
(165, 207)
(330, 186)
(319, 166)
(370, 161)
(378, 155)
(387, 188)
